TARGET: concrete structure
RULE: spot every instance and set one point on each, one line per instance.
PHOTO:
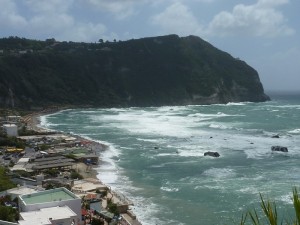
(88, 185)
(51, 198)
(48, 162)
(13, 118)
(48, 216)
(11, 130)
(21, 165)
(22, 190)
(7, 223)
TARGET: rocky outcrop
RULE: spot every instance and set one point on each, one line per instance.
(279, 149)
(212, 154)
(275, 136)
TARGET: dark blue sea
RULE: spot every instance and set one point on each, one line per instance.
(156, 157)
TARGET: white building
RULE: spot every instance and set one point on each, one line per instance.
(51, 198)
(11, 130)
(21, 190)
(60, 215)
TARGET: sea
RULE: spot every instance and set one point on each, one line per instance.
(156, 157)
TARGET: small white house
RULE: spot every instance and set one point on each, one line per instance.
(11, 130)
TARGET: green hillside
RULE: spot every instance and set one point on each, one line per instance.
(166, 70)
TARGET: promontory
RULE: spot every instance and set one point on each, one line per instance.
(154, 71)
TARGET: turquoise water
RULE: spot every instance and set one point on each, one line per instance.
(156, 157)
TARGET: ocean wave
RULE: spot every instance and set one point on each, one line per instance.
(249, 190)
(295, 131)
(169, 189)
(220, 173)
(286, 199)
(219, 126)
(236, 103)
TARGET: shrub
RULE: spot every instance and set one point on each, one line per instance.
(76, 175)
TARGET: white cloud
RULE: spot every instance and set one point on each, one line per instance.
(121, 9)
(260, 19)
(86, 32)
(9, 16)
(177, 19)
(49, 24)
(49, 6)
(51, 18)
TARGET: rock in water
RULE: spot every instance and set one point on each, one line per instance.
(279, 149)
(212, 154)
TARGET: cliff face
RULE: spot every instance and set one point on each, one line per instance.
(165, 70)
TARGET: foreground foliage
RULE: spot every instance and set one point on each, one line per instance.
(270, 214)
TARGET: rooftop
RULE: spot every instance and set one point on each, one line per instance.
(43, 216)
(53, 195)
(22, 190)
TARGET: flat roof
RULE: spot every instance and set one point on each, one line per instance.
(23, 190)
(53, 195)
(43, 216)
(9, 125)
(88, 186)
(51, 162)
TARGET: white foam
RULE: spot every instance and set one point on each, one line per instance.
(167, 154)
(169, 189)
(191, 153)
(44, 122)
(108, 170)
(236, 103)
(287, 199)
(295, 131)
(219, 126)
(249, 190)
(220, 173)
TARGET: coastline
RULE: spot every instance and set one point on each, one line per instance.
(33, 122)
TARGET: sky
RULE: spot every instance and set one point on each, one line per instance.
(263, 33)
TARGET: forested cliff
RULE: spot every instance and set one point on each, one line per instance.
(166, 70)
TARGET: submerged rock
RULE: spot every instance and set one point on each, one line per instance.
(275, 136)
(212, 154)
(279, 149)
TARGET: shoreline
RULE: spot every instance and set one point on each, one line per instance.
(33, 122)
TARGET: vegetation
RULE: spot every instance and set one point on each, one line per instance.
(12, 142)
(52, 172)
(112, 207)
(148, 71)
(76, 175)
(269, 214)
(96, 221)
(8, 213)
(5, 182)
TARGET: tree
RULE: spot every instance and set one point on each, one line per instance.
(8, 213)
(96, 221)
(101, 41)
(5, 182)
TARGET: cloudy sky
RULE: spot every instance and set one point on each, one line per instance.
(264, 33)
